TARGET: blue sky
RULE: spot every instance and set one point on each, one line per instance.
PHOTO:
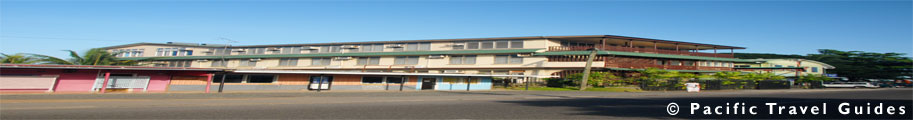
(783, 27)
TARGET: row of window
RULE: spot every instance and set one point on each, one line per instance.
(260, 78)
(173, 52)
(179, 63)
(487, 44)
(399, 60)
(129, 52)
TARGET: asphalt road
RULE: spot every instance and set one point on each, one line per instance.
(436, 105)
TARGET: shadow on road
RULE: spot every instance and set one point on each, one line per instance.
(656, 107)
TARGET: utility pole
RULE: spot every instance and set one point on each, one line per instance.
(223, 62)
(586, 70)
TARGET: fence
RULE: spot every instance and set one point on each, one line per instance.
(675, 84)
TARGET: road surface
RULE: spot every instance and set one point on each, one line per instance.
(426, 104)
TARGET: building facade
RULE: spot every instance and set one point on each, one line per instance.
(786, 67)
(541, 55)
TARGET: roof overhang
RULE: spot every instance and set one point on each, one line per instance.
(380, 73)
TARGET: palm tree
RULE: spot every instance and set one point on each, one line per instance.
(94, 56)
(18, 58)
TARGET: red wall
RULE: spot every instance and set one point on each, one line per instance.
(82, 80)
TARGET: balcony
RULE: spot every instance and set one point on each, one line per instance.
(638, 50)
(666, 67)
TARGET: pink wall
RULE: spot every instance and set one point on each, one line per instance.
(82, 80)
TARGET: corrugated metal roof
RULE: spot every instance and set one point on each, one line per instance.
(451, 52)
(645, 55)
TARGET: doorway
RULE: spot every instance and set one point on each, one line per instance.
(428, 83)
(321, 82)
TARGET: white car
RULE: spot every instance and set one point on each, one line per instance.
(849, 85)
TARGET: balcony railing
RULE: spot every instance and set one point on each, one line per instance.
(638, 50)
(668, 67)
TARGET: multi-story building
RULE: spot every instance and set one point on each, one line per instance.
(786, 67)
(541, 55)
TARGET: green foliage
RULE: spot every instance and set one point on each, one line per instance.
(814, 78)
(595, 79)
(762, 76)
(18, 58)
(856, 65)
(94, 56)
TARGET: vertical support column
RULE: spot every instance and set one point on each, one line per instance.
(732, 52)
(387, 84)
(104, 84)
(631, 43)
(222, 82)
(320, 83)
(526, 80)
(714, 50)
(468, 81)
(402, 82)
(208, 82)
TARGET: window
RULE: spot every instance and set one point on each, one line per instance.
(171, 52)
(516, 44)
(329, 49)
(219, 63)
(472, 45)
(453, 80)
(254, 51)
(218, 51)
(247, 63)
(814, 69)
(675, 62)
(396, 80)
(381, 79)
(463, 59)
(372, 48)
(502, 44)
(405, 60)
(372, 80)
(181, 63)
(688, 63)
(288, 62)
(260, 78)
(487, 44)
(290, 50)
(457, 46)
(320, 61)
(778, 65)
(368, 61)
(230, 78)
(660, 62)
(414, 47)
(129, 52)
(508, 59)
(742, 66)
(460, 80)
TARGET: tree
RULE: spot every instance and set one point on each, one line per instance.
(855, 65)
(94, 56)
(18, 58)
